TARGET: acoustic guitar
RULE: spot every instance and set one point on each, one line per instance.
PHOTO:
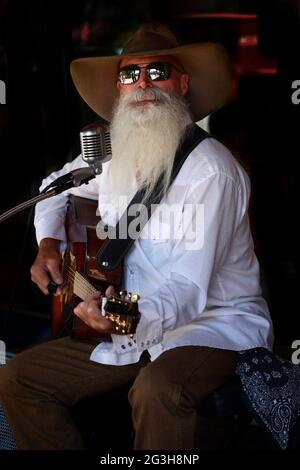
(83, 277)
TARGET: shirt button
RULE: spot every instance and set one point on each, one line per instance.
(123, 346)
(129, 344)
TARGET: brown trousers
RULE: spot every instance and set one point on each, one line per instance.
(38, 387)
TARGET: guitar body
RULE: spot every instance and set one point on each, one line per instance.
(81, 257)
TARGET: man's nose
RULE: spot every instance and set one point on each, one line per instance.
(144, 81)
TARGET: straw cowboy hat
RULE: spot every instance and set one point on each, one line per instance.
(205, 63)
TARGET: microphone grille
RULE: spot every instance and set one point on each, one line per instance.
(95, 145)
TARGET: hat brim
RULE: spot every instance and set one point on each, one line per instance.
(210, 82)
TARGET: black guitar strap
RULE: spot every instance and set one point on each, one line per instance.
(113, 250)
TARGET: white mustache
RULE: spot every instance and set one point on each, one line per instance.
(153, 94)
(147, 94)
(138, 95)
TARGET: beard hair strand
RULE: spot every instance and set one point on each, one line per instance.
(144, 140)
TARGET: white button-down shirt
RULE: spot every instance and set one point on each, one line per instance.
(195, 271)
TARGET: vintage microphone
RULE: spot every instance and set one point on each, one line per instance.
(95, 148)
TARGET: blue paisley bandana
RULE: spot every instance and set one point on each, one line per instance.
(271, 388)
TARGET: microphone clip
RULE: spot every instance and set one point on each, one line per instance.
(72, 179)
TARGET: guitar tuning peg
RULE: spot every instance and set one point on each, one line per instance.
(122, 293)
(129, 295)
(135, 297)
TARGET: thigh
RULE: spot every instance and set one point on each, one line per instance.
(63, 369)
(194, 371)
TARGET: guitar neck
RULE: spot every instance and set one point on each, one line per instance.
(82, 287)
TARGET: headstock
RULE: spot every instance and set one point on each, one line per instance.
(122, 310)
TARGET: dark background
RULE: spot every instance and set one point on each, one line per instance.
(40, 124)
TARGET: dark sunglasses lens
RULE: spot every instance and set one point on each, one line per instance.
(158, 72)
(129, 75)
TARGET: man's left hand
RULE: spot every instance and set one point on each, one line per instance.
(90, 313)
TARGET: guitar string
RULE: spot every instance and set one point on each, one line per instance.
(75, 275)
(81, 282)
(82, 292)
(82, 287)
(80, 278)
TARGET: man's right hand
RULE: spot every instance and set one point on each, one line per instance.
(47, 265)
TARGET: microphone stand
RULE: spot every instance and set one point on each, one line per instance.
(73, 179)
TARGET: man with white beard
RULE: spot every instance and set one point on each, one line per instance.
(198, 304)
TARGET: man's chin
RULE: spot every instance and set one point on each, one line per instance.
(143, 112)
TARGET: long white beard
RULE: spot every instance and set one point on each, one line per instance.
(144, 141)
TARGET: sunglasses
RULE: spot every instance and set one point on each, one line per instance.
(156, 71)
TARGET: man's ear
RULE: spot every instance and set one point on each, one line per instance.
(118, 83)
(184, 83)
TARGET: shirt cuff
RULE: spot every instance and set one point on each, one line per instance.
(148, 332)
(124, 343)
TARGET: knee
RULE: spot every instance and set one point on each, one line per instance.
(152, 387)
